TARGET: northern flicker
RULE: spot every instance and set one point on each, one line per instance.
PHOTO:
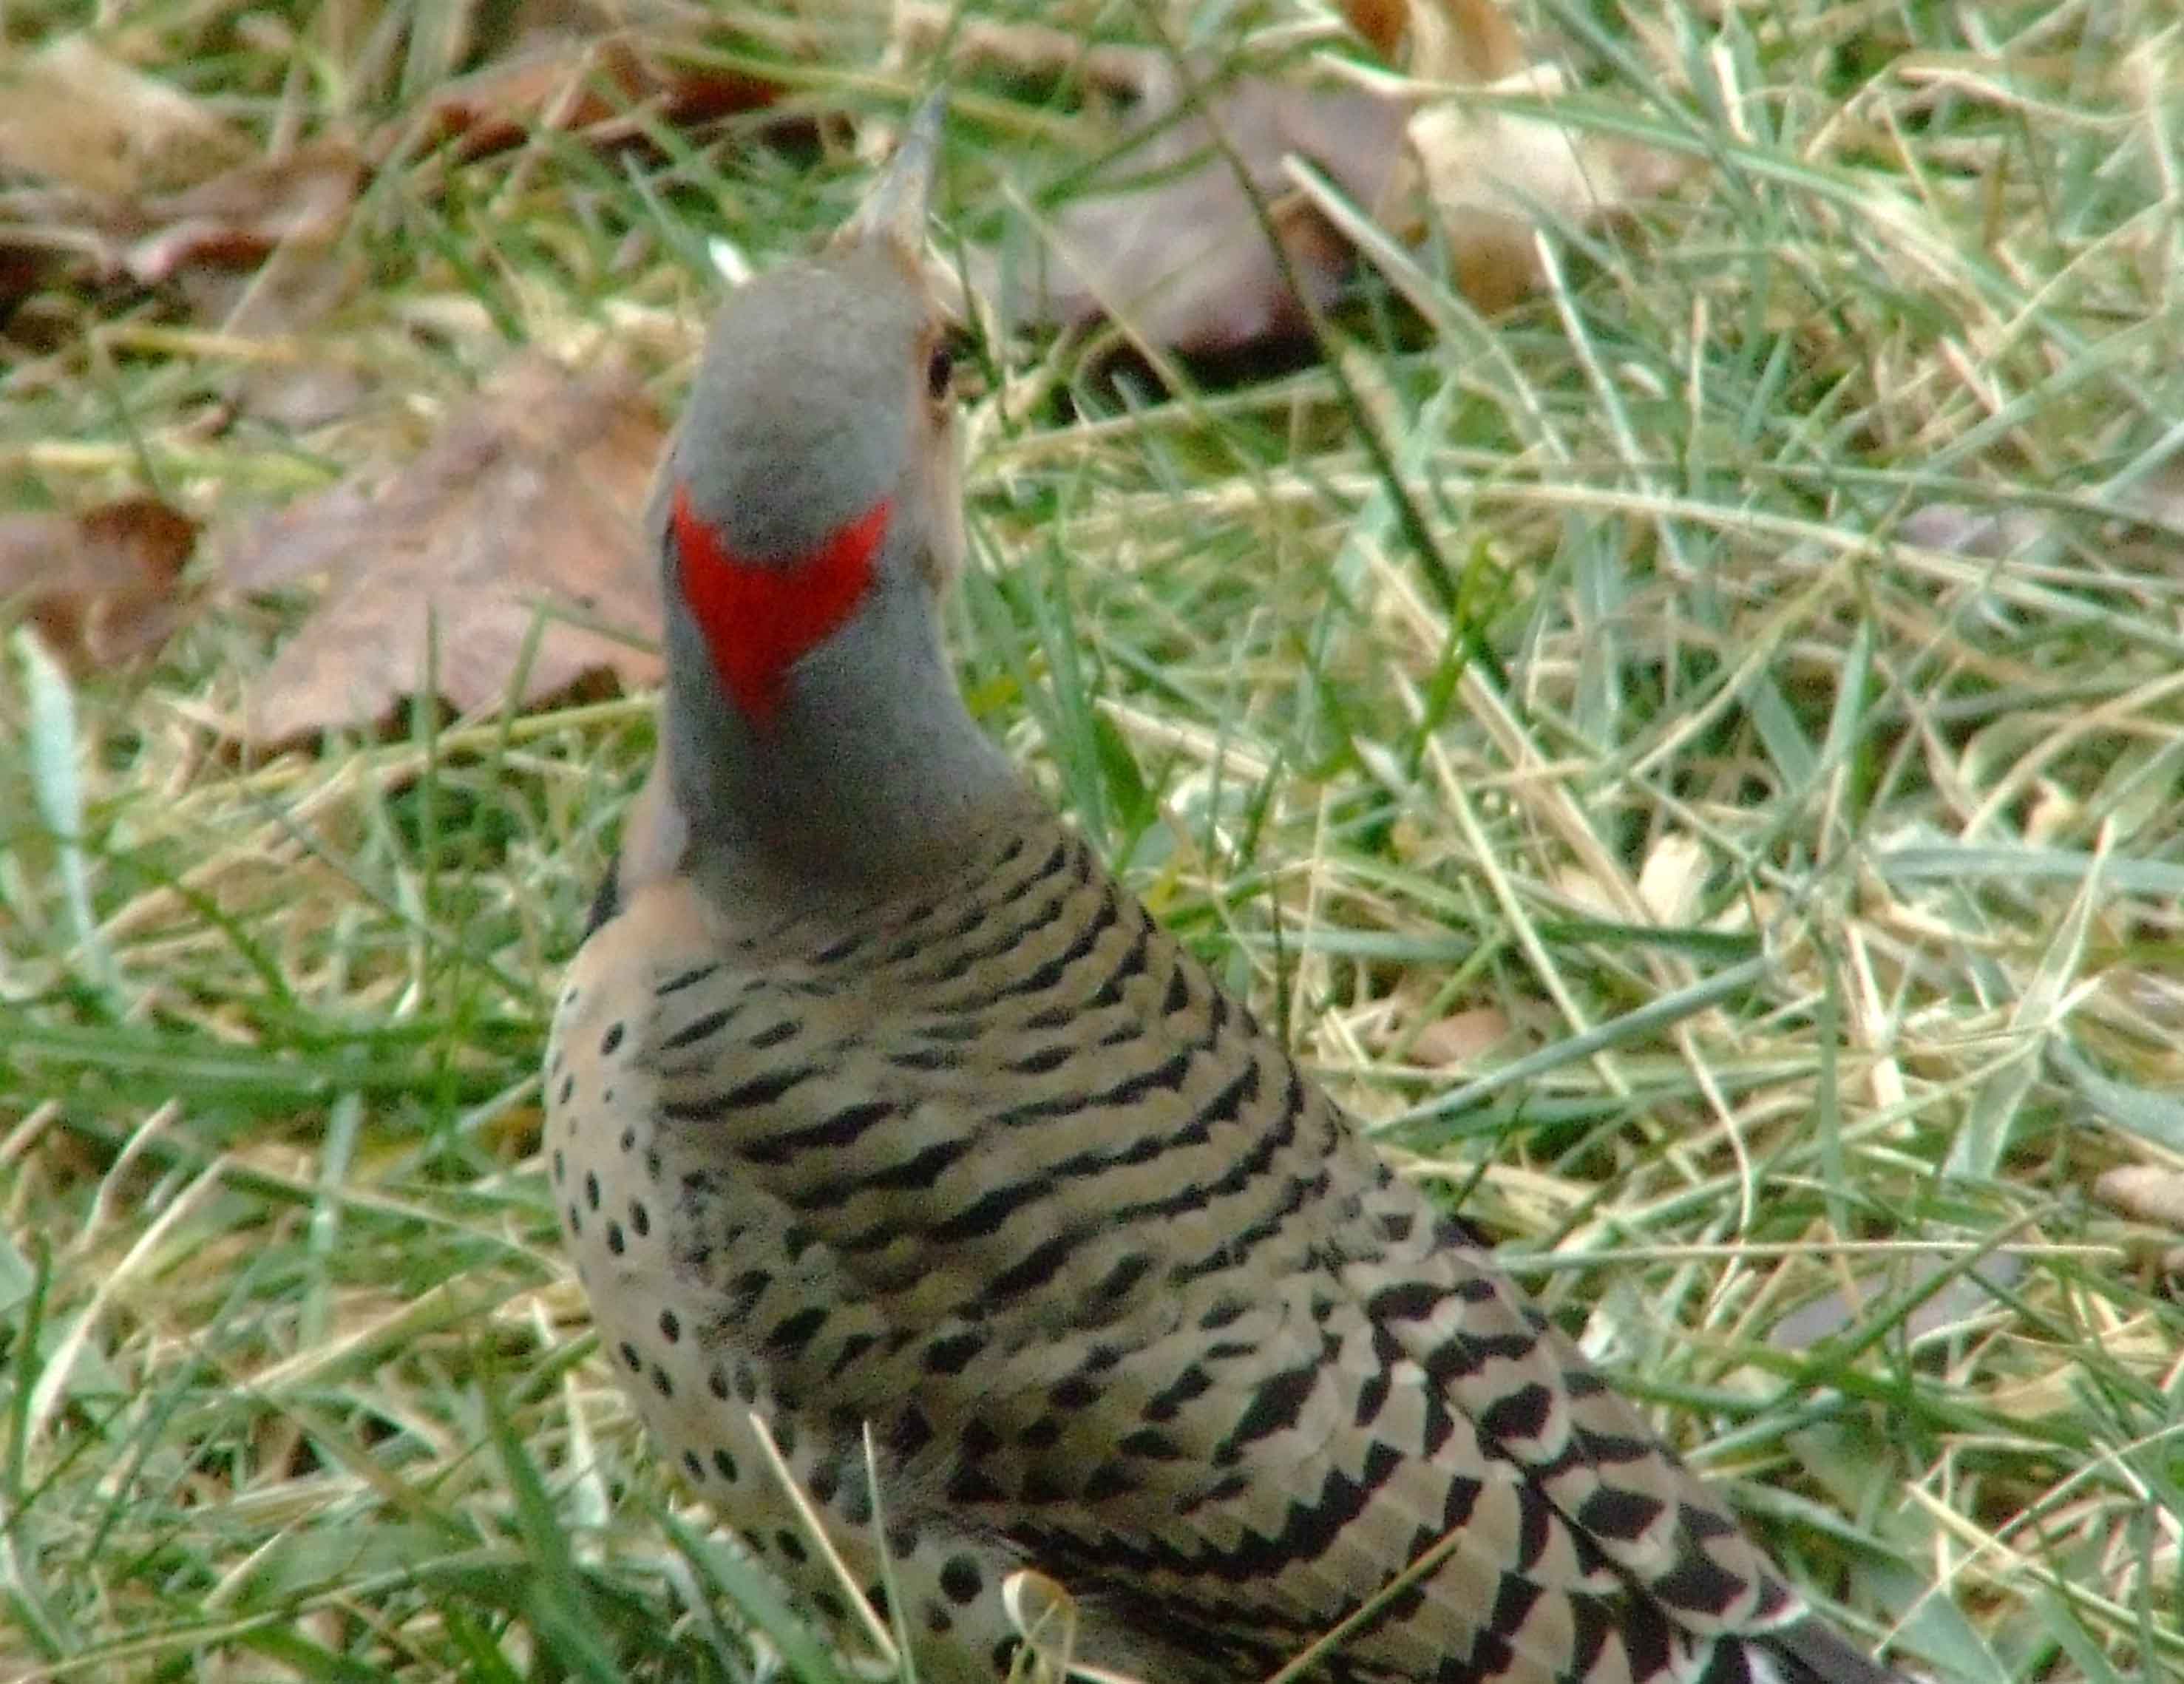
(875, 1102)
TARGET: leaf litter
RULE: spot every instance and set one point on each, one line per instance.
(101, 588)
(1170, 236)
(517, 522)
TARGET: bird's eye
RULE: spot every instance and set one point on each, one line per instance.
(940, 371)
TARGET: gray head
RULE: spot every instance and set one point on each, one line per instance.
(808, 516)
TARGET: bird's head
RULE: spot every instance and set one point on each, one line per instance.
(807, 516)
(814, 472)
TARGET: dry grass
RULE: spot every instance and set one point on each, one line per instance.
(1793, 868)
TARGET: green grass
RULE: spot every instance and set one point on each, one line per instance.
(1813, 892)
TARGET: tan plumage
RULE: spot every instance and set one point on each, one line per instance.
(948, 1137)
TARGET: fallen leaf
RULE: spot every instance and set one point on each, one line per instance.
(1992, 535)
(1673, 878)
(1167, 238)
(1010, 48)
(529, 498)
(102, 587)
(593, 85)
(1175, 250)
(1461, 1037)
(1444, 40)
(2145, 1191)
(58, 236)
(235, 218)
(1383, 24)
(71, 115)
(298, 376)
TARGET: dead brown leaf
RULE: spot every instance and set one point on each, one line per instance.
(1442, 41)
(102, 587)
(2145, 1191)
(1177, 253)
(86, 143)
(592, 85)
(235, 218)
(300, 376)
(1169, 243)
(71, 115)
(1383, 24)
(229, 221)
(529, 498)
(1461, 1037)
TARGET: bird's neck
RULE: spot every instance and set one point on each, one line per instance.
(869, 768)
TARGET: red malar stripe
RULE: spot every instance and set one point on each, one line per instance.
(760, 618)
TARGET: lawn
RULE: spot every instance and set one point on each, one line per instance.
(1693, 758)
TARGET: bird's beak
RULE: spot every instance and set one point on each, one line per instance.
(896, 209)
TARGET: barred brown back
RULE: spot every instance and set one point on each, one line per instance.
(988, 1161)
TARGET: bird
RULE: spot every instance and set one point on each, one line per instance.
(907, 1162)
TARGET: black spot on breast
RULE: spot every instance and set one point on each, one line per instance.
(610, 1041)
(968, 1485)
(1042, 1486)
(960, 1580)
